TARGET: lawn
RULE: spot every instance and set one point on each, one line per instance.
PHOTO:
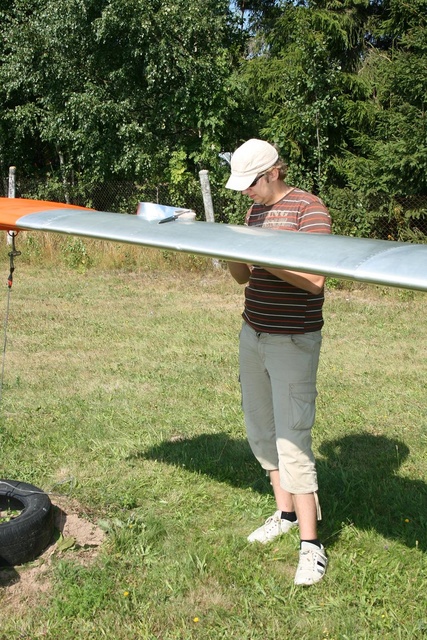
(120, 392)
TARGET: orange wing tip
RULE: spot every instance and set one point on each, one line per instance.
(12, 209)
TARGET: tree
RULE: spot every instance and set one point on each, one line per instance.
(114, 88)
(389, 153)
(340, 85)
(297, 75)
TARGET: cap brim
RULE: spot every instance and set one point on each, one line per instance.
(240, 183)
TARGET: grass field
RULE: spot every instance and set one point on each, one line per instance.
(121, 392)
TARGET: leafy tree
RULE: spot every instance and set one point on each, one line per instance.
(154, 90)
(341, 86)
(115, 88)
(296, 75)
(390, 153)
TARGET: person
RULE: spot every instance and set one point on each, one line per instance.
(279, 353)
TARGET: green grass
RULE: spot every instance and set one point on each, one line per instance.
(121, 391)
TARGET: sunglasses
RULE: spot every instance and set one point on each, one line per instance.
(261, 175)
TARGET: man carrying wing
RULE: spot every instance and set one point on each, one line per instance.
(279, 353)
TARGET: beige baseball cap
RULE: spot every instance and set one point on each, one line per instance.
(248, 161)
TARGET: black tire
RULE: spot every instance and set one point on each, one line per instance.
(24, 537)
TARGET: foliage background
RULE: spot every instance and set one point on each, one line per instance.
(97, 95)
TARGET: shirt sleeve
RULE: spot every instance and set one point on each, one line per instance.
(314, 218)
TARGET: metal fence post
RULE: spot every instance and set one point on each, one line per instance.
(11, 193)
(207, 202)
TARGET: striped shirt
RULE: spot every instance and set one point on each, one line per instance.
(271, 304)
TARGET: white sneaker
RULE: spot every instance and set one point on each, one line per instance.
(274, 526)
(312, 564)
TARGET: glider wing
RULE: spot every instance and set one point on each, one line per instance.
(384, 262)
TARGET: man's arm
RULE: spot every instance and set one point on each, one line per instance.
(308, 282)
(240, 271)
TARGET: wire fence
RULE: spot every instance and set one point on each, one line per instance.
(117, 196)
(378, 216)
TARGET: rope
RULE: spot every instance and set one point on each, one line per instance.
(51, 492)
(12, 254)
(3, 483)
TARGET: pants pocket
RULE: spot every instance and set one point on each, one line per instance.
(302, 405)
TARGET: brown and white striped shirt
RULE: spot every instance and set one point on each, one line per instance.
(271, 304)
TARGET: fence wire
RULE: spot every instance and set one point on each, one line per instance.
(377, 216)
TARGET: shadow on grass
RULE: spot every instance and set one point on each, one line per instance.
(359, 485)
(215, 455)
(357, 478)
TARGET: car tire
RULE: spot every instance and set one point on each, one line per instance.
(25, 536)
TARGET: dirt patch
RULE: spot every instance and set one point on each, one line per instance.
(76, 537)
(71, 522)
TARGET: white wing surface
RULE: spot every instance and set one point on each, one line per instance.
(383, 262)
